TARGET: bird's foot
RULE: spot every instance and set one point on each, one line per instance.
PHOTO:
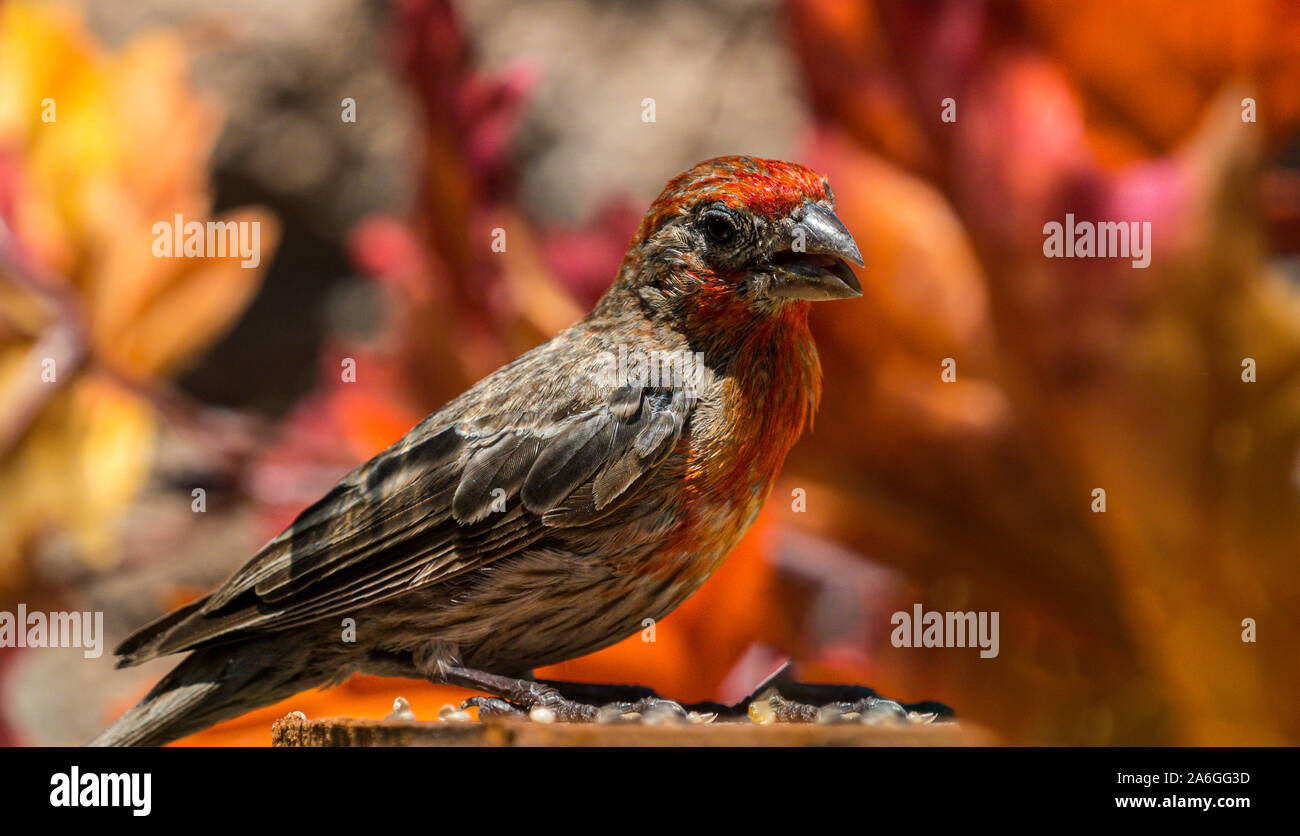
(542, 705)
(782, 699)
(555, 708)
(779, 699)
(564, 702)
(771, 706)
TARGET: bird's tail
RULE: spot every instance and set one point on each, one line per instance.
(211, 685)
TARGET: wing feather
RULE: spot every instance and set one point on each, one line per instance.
(427, 509)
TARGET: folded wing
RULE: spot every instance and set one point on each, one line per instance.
(448, 498)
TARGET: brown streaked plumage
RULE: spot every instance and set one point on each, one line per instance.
(545, 512)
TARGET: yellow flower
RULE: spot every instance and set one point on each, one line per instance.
(96, 147)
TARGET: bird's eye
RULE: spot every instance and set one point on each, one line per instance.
(719, 225)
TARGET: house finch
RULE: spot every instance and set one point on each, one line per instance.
(592, 483)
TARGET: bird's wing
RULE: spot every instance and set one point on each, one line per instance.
(447, 498)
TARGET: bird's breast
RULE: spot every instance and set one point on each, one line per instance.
(740, 433)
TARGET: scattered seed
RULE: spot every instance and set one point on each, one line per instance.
(761, 709)
(830, 714)
(663, 716)
(401, 710)
(611, 713)
(451, 714)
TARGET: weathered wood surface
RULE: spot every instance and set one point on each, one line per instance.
(296, 731)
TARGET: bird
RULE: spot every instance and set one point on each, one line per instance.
(591, 483)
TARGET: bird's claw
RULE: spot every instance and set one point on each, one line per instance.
(544, 704)
(783, 699)
(779, 699)
(652, 710)
(537, 702)
(492, 707)
(772, 707)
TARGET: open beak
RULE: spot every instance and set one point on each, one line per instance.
(814, 267)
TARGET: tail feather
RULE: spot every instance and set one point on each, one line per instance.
(215, 684)
(143, 644)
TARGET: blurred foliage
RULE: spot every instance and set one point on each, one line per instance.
(1072, 375)
(1123, 626)
(95, 148)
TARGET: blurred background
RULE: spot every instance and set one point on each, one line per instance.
(184, 375)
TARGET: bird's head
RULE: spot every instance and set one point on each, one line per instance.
(741, 238)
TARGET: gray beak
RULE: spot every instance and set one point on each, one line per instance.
(814, 267)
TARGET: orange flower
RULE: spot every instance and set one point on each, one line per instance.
(95, 149)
